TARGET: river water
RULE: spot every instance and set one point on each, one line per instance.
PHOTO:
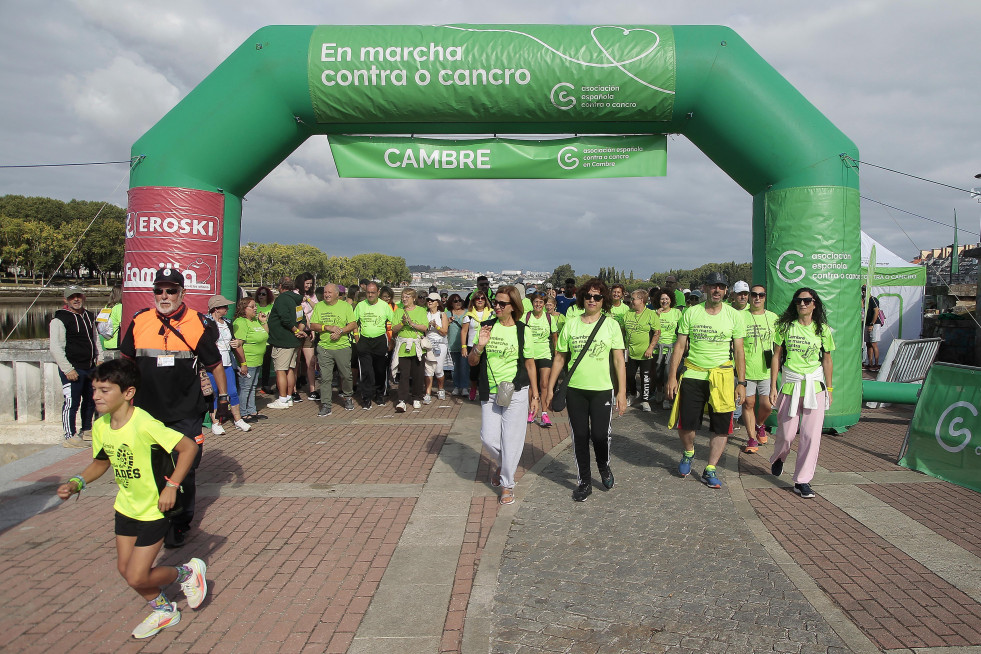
(20, 320)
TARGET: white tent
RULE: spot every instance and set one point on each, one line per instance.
(900, 287)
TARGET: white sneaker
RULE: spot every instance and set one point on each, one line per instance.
(195, 587)
(427, 399)
(279, 404)
(157, 621)
(217, 429)
(456, 391)
(416, 404)
(441, 394)
(644, 406)
(244, 426)
(400, 407)
(630, 400)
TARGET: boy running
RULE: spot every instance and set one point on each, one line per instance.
(125, 438)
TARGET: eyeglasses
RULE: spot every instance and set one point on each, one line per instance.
(595, 297)
(166, 291)
(501, 305)
(755, 294)
(804, 300)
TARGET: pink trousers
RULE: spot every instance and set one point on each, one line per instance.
(811, 422)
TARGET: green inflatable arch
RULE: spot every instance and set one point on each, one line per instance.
(287, 83)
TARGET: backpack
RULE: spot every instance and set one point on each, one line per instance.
(528, 317)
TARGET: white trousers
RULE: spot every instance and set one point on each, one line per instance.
(502, 432)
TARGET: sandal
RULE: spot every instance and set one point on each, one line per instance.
(507, 496)
(496, 479)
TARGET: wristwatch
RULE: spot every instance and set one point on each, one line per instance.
(222, 397)
(741, 383)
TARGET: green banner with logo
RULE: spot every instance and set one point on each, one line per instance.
(473, 73)
(497, 158)
(944, 438)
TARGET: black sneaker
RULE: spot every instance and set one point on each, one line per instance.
(607, 477)
(582, 492)
(315, 396)
(324, 411)
(777, 468)
(296, 397)
(366, 405)
(804, 490)
(349, 404)
(379, 400)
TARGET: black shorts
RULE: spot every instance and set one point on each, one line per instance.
(543, 363)
(694, 397)
(147, 532)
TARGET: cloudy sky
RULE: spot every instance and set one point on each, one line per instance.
(83, 79)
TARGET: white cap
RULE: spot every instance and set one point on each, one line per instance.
(740, 287)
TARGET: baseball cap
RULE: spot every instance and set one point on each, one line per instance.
(531, 289)
(169, 276)
(740, 287)
(716, 278)
(73, 290)
(697, 294)
(433, 296)
(216, 301)
(549, 285)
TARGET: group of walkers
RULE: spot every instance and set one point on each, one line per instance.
(592, 350)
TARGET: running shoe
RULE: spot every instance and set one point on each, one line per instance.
(607, 477)
(582, 492)
(217, 429)
(366, 405)
(761, 436)
(400, 407)
(195, 587)
(324, 411)
(427, 399)
(457, 391)
(751, 446)
(244, 426)
(776, 468)
(645, 407)
(278, 404)
(157, 621)
(545, 422)
(416, 404)
(349, 404)
(804, 490)
(296, 397)
(75, 442)
(531, 417)
(473, 394)
(710, 479)
(441, 394)
(315, 396)
(684, 468)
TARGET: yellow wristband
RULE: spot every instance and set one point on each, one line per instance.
(829, 388)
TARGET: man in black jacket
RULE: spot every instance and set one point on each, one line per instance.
(74, 347)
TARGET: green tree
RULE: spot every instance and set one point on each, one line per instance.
(560, 274)
(14, 245)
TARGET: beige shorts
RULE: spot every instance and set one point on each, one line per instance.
(284, 358)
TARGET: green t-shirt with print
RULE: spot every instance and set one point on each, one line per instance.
(803, 347)
(417, 315)
(255, 336)
(758, 339)
(593, 372)
(618, 312)
(710, 337)
(339, 314)
(128, 450)
(639, 327)
(669, 325)
(502, 354)
(540, 332)
(371, 318)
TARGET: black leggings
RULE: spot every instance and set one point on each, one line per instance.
(645, 377)
(590, 414)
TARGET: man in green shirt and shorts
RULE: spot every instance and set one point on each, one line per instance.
(334, 321)
(713, 333)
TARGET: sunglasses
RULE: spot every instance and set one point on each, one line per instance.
(263, 294)
(804, 300)
(595, 297)
(432, 300)
(755, 294)
(501, 305)
(166, 291)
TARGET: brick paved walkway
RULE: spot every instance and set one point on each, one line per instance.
(370, 531)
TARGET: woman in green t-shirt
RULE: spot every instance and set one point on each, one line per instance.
(544, 333)
(669, 315)
(642, 329)
(409, 327)
(504, 353)
(263, 305)
(803, 342)
(590, 398)
(250, 328)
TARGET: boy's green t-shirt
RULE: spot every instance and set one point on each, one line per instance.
(502, 354)
(593, 372)
(540, 332)
(419, 316)
(639, 328)
(371, 317)
(710, 337)
(128, 450)
(255, 336)
(803, 347)
(759, 338)
(669, 326)
(337, 315)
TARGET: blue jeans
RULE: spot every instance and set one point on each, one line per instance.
(246, 393)
(461, 371)
(232, 387)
